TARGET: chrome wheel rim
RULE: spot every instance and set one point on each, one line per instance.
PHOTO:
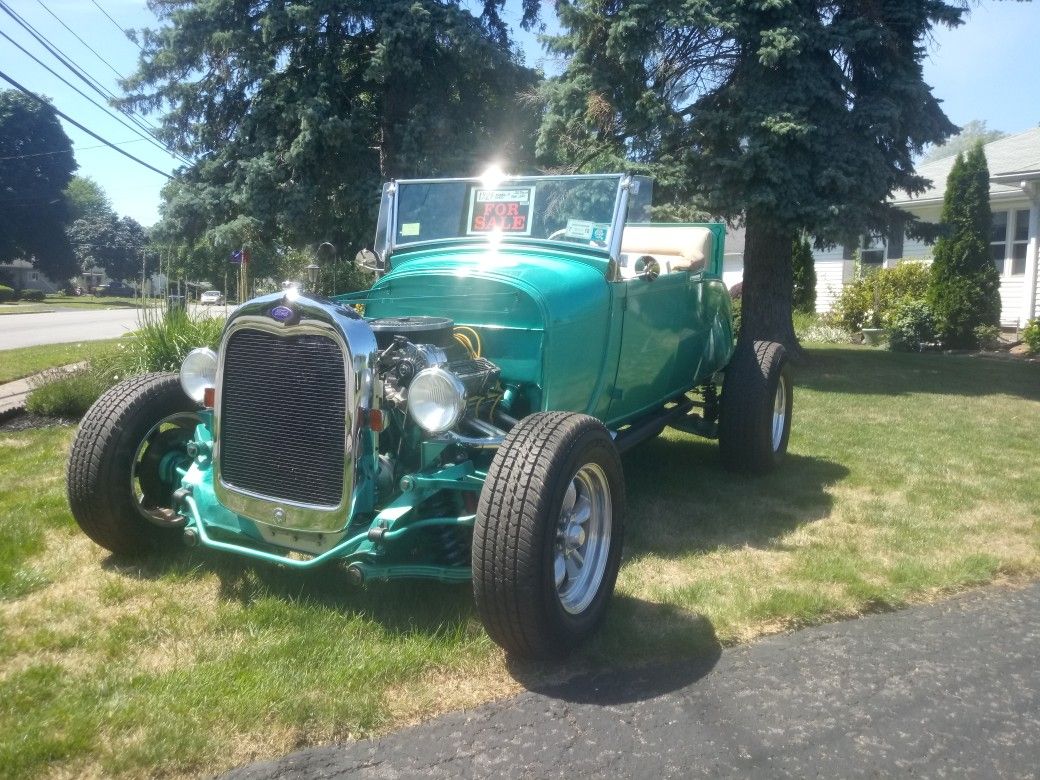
(176, 426)
(779, 413)
(582, 543)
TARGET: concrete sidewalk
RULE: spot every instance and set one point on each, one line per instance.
(948, 689)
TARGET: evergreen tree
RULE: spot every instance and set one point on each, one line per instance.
(964, 290)
(787, 115)
(803, 276)
(295, 113)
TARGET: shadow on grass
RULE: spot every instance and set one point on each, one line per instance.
(864, 371)
(681, 500)
(402, 606)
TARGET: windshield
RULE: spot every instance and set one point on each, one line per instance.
(576, 209)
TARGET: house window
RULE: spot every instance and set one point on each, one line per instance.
(998, 239)
(871, 256)
(35, 275)
(1020, 242)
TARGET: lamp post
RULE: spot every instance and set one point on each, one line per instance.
(327, 254)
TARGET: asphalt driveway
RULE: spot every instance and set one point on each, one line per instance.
(949, 689)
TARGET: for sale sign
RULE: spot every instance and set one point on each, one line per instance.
(501, 210)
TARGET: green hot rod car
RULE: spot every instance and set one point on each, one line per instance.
(463, 418)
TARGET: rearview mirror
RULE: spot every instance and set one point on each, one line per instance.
(647, 268)
(368, 260)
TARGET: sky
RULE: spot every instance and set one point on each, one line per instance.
(986, 69)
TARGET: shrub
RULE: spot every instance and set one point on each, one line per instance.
(987, 336)
(66, 394)
(880, 293)
(6, 294)
(965, 288)
(910, 326)
(33, 295)
(804, 277)
(821, 332)
(1031, 335)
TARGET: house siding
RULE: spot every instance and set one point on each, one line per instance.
(833, 272)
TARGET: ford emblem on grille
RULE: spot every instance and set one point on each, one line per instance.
(282, 313)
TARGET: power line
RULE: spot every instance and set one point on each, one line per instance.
(71, 151)
(82, 74)
(111, 67)
(131, 127)
(74, 123)
(118, 26)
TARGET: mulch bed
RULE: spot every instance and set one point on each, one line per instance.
(25, 421)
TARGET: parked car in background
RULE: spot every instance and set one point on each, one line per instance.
(211, 298)
(114, 289)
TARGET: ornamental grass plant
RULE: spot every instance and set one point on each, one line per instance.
(159, 344)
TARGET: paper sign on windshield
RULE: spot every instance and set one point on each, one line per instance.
(584, 230)
(501, 210)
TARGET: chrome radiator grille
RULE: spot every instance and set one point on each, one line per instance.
(283, 412)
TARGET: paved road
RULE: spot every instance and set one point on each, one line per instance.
(59, 327)
(68, 325)
(951, 689)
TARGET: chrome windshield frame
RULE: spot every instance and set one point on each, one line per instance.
(626, 185)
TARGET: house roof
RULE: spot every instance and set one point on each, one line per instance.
(1010, 161)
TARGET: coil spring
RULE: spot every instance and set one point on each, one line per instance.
(454, 546)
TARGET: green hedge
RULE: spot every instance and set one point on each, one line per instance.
(6, 294)
(35, 296)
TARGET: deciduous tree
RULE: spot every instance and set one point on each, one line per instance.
(110, 242)
(36, 164)
(973, 132)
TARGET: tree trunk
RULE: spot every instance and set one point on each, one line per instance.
(768, 284)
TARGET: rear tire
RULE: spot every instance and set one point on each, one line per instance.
(755, 413)
(548, 534)
(136, 429)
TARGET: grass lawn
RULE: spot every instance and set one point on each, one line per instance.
(26, 361)
(24, 307)
(91, 302)
(911, 476)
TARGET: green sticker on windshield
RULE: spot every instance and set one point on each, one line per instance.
(584, 230)
(410, 229)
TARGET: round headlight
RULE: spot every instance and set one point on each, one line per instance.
(436, 400)
(199, 371)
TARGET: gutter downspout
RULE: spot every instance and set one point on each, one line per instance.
(1033, 250)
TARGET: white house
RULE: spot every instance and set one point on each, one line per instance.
(1014, 165)
(22, 275)
(1014, 194)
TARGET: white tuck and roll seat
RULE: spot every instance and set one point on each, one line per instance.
(674, 247)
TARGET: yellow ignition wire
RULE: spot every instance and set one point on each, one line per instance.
(478, 347)
(465, 342)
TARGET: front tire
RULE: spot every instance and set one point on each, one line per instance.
(755, 413)
(548, 534)
(123, 461)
